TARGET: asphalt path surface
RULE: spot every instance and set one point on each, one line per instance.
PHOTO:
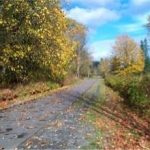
(46, 123)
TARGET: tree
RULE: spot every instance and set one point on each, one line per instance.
(33, 39)
(104, 67)
(129, 54)
(85, 63)
(77, 32)
(115, 65)
(95, 68)
(144, 47)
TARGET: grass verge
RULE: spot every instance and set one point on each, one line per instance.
(117, 126)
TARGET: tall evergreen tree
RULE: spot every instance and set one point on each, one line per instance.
(145, 48)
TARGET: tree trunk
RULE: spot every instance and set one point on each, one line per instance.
(78, 66)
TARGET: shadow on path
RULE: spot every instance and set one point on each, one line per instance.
(119, 116)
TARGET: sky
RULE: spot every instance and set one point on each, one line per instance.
(107, 19)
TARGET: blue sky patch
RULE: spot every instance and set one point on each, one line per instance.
(107, 19)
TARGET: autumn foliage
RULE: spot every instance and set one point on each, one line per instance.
(124, 73)
(33, 41)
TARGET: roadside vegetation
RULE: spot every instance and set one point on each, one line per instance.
(42, 50)
(127, 72)
(39, 48)
(115, 124)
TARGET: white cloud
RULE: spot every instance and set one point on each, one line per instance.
(140, 22)
(140, 2)
(101, 49)
(142, 18)
(92, 17)
(139, 6)
(131, 28)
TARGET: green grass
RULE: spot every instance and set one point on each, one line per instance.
(98, 92)
(95, 142)
(90, 116)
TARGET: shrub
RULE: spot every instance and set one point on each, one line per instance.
(134, 89)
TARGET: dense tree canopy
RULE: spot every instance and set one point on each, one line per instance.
(32, 38)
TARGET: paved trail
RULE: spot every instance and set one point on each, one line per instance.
(48, 123)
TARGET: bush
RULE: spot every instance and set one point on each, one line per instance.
(134, 89)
